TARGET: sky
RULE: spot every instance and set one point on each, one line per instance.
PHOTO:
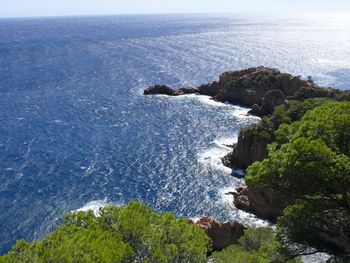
(33, 8)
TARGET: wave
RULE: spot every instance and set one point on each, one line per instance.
(237, 214)
(94, 206)
(237, 111)
(219, 149)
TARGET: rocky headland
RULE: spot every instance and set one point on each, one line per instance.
(261, 89)
(277, 98)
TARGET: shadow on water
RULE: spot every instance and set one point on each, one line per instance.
(238, 173)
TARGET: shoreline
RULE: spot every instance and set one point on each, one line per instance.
(261, 89)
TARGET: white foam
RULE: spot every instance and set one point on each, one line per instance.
(195, 219)
(237, 111)
(242, 113)
(212, 156)
(94, 206)
(237, 214)
(225, 142)
(209, 101)
(316, 258)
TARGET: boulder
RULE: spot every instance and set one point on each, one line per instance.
(158, 89)
(210, 89)
(266, 205)
(256, 110)
(221, 234)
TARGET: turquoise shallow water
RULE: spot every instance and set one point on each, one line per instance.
(76, 129)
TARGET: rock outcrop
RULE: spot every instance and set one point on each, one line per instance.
(250, 147)
(165, 90)
(221, 234)
(266, 205)
(261, 88)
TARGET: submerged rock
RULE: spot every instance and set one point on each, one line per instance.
(221, 234)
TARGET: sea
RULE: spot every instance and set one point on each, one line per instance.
(77, 133)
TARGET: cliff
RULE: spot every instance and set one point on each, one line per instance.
(262, 89)
(267, 205)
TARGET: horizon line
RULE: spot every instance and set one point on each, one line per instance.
(176, 13)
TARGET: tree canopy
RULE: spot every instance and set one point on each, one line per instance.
(134, 233)
(310, 160)
(258, 245)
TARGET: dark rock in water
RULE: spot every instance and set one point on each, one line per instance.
(250, 147)
(221, 234)
(210, 89)
(185, 90)
(267, 205)
(165, 90)
(158, 89)
(256, 110)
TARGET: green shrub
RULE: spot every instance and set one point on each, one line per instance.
(134, 233)
(258, 245)
(310, 160)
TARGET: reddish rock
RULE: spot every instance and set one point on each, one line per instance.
(222, 234)
(267, 205)
(249, 148)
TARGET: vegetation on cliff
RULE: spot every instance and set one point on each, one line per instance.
(310, 160)
(134, 233)
(257, 245)
(254, 139)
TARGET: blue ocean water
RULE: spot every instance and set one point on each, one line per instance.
(76, 130)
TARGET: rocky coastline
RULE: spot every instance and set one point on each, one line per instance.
(262, 89)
